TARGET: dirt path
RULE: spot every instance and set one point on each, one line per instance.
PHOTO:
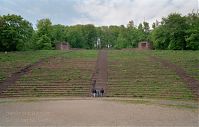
(192, 83)
(100, 74)
(93, 112)
(15, 76)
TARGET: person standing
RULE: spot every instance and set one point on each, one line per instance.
(94, 92)
(102, 92)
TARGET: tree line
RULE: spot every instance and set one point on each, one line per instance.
(174, 32)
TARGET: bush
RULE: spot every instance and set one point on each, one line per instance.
(44, 43)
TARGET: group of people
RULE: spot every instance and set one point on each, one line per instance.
(98, 93)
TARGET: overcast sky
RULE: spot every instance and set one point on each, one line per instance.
(98, 12)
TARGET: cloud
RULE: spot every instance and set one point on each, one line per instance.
(99, 12)
(103, 12)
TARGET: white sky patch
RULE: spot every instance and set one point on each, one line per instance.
(119, 12)
(97, 12)
(198, 4)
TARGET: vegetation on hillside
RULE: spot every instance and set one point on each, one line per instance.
(175, 32)
(14, 61)
(130, 73)
(134, 74)
(67, 74)
(187, 60)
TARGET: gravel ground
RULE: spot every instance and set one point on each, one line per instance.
(93, 112)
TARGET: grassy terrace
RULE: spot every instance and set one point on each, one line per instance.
(130, 73)
(68, 74)
(14, 61)
(188, 60)
(133, 74)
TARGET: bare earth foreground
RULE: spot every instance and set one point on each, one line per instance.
(93, 112)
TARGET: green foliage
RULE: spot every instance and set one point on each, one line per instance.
(160, 38)
(108, 35)
(44, 43)
(58, 34)
(176, 26)
(41, 39)
(90, 35)
(193, 41)
(153, 26)
(140, 27)
(79, 36)
(177, 32)
(146, 27)
(121, 42)
(82, 36)
(75, 36)
(44, 27)
(193, 31)
(15, 32)
(143, 31)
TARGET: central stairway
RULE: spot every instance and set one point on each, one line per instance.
(100, 75)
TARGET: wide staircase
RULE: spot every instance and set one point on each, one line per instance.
(133, 74)
(55, 77)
